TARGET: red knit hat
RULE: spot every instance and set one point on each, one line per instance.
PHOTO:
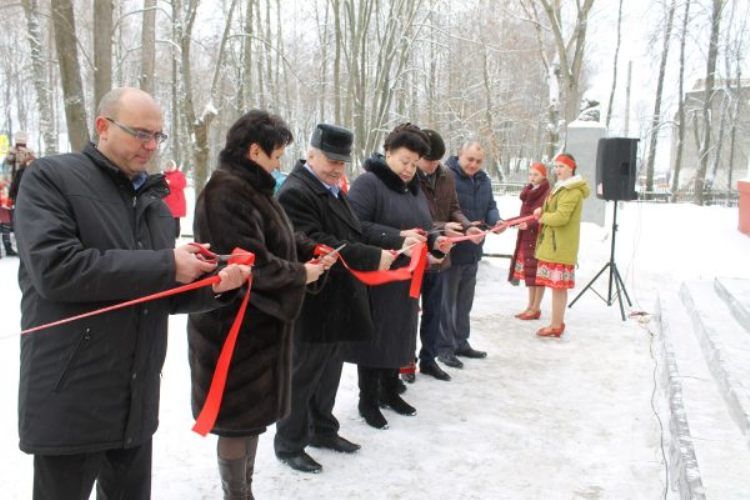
(539, 167)
(566, 160)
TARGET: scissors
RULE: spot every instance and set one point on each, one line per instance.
(396, 253)
(332, 251)
(220, 259)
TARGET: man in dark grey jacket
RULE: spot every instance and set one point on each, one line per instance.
(92, 231)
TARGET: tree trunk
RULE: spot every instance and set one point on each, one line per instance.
(713, 49)
(247, 59)
(336, 4)
(323, 36)
(614, 66)
(102, 49)
(261, 100)
(656, 118)
(39, 77)
(675, 184)
(148, 47)
(70, 73)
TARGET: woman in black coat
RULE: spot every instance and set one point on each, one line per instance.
(523, 263)
(237, 209)
(394, 213)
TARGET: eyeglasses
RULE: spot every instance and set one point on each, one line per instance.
(144, 137)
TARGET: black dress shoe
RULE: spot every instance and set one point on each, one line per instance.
(434, 370)
(335, 443)
(409, 377)
(451, 360)
(401, 387)
(470, 352)
(373, 417)
(301, 462)
(395, 403)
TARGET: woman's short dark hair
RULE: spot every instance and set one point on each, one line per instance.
(409, 136)
(256, 127)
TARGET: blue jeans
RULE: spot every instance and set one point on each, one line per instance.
(458, 298)
(429, 327)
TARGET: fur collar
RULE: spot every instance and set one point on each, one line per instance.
(377, 165)
(251, 172)
(532, 193)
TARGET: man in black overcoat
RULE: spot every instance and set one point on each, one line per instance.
(337, 312)
(93, 231)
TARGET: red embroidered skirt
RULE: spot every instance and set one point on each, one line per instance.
(518, 273)
(555, 275)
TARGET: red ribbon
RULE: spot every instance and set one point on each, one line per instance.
(159, 295)
(505, 224)
(210, 411)
(414, 271)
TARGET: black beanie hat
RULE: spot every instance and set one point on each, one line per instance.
(437, 146)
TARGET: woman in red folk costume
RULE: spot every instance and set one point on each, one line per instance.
(523, 264)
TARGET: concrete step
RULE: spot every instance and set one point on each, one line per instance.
(736, 294)
(708, 454)
(726, 348)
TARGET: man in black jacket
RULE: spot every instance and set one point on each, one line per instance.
(92, 230)
(339, 312)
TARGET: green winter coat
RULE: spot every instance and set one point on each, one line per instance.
(561, 222)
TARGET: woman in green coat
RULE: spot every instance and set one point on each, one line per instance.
(557, 243)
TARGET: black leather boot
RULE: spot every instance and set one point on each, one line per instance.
(369, 388)
(390, 397)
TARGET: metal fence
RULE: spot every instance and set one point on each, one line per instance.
(726, 198)
(720, 197)
(507, 188)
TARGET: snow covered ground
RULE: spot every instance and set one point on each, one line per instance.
(567, 418)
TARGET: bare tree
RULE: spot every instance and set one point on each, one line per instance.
(246, 84)
(70, 73)
(615, 63)
(681, 118)
(656, 117)
(570, 51)
(736, 51)
(705, 143)
(148, 46)
(39, 77)
(199, 125)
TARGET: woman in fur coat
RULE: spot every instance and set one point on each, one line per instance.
(237, 209)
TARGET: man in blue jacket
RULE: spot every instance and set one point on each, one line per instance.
(474, 191)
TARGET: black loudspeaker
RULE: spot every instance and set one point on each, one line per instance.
(616, 168)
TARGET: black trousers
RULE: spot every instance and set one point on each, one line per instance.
(429, 326)
(122, 474)
(316, 373)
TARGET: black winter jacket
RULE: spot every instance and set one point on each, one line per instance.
(386, 205)
(340, 310)
(87, 239)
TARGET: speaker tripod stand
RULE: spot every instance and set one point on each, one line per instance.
(614, 276)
